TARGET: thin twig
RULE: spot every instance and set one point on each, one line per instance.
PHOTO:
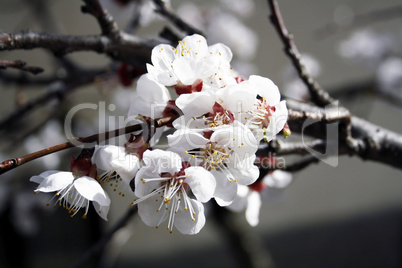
(106, 22)
(57, 90)
(302, 164)
(96, 138)
(162, 9)
(128, 48)
(21, 65)
(24, 79)
(281, 148)
(369, 141)
(318, 94)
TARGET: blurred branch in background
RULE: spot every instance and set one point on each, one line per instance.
(355, 137)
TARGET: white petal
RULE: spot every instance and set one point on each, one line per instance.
(196, 45)
(126, 167)
(183, 219)
(201, 182)
(162, 57)
(244, 170)
(225, 191)
(237, 98)
(150, 98)
(147, 210)
(39, 178)
(223, 52)
(141, 188)
(253, 208)
(55, 182)
(91, 190)
(196, 104)
(101, 210)
(150, 90)
(237, 137)
(266, 88)
(164, 76)
(186, 70)
(186, 140)
(104, 155)
(278, 179)
(162, 161)
(277, 120)
(240, 201)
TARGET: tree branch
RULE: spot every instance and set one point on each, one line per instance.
(128, 48)
(369, 141)
(318, 94)
(56, 90)
(21, 65)
(105, 20)
(96, 138)
(164, 11)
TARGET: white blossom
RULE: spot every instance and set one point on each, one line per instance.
(118, 166)
(74, 193)
(229, 154)
(192, 59)
(249, 198)
(163, 187)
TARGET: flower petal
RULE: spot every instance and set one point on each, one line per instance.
(91, 190)
(104, 155)
(164, 76)
(39, 178)
(162, 161)
(148, 211)
(244, 170)
(223, 52)
(183, 219)
(240, 201)
(225, 191)
(196, 104)
(184, 140)
(278, 179)
(141, 188)
(266, 89)
(194, 45)
(150, 98)
(253, 208)
(101, 210)
(277, 120)
(201, 182)
(237, 98)
(126, 167)
(56, 181)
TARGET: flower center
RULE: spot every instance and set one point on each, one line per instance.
(171, 194)
(261, 113)
(218, 117)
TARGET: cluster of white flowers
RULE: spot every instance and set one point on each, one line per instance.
(221, 119)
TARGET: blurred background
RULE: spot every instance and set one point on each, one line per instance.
(349, 215)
